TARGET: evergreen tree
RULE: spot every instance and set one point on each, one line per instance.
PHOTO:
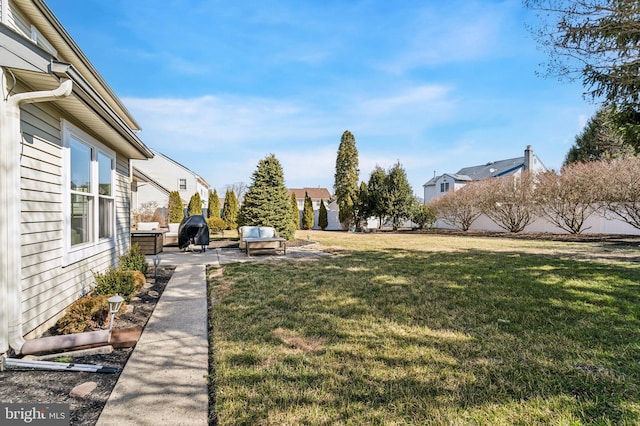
(600, 139)
(596, 41)
(346, 178)
(230, 210)
(175, 207)
(295, 213)
(195, 205)
(361, 211)
(213, 205)
(378, 195)
(400, 202)
(267, 201)
(323, 219)
(307, 213)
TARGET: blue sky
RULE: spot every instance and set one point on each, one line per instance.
(436, 86)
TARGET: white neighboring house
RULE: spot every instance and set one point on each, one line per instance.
(154, 179)
(65, 150)
(317, 195)
(440, 185)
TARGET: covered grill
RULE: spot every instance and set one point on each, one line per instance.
(193, 230)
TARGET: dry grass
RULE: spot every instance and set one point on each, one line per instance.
(430, 329)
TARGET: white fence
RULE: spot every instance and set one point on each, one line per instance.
(595, 224)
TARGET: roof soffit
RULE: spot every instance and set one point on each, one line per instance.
(86, 110)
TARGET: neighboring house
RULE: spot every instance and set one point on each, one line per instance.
(317, 195)
(154, 179)
(440, 185)
(65, 149)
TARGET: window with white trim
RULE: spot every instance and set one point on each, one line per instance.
(182, 184)
(89, 224)
(444, 186)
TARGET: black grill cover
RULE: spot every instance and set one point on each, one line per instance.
(193, 230)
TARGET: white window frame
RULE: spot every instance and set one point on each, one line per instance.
(78, 252)
(180, 188)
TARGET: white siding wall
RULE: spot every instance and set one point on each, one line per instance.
(167, 174)
(16, 21)
(147, 193)
(429, 193)
(48, 287)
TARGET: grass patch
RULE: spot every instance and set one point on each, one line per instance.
(429, 330)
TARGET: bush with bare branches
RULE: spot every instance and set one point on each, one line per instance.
(620, 186)
(568, 199)
(508, 201)
(459, 209)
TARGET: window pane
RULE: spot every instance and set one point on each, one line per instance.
(104, 175)
(106, 217)
(80, 166)
(80, 219)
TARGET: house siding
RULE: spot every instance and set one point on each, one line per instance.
(167, 173)
(48, 287)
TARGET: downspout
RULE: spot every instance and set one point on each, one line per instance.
(10, 209)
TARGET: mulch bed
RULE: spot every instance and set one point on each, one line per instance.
(47, 386)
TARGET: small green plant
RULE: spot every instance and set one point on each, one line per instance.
(139, 280)
(115, 281)
(216, 224)
(85, 314)
(134, 260)
(63, 359)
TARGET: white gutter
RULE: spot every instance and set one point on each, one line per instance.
(10, 209)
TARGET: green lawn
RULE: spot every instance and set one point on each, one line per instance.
(416, 329)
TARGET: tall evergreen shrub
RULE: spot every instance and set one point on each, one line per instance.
(323, 219)
(195, 205)
(230, 210)
(267, 202)
(307, 213)
(175, 207)
(213, 204)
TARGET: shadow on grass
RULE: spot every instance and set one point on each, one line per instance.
(410, 336)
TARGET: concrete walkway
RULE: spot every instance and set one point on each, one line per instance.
(165, 379)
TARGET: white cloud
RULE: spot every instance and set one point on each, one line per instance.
(223, 137)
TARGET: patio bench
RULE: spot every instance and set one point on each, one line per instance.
(261, 238)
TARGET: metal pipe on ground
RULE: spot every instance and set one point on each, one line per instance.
(64, 366)
(101, 350)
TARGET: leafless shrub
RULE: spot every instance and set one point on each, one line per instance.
(459, 209)
(148, 212)
(508, 201)
(568, 199)
(620, 188)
